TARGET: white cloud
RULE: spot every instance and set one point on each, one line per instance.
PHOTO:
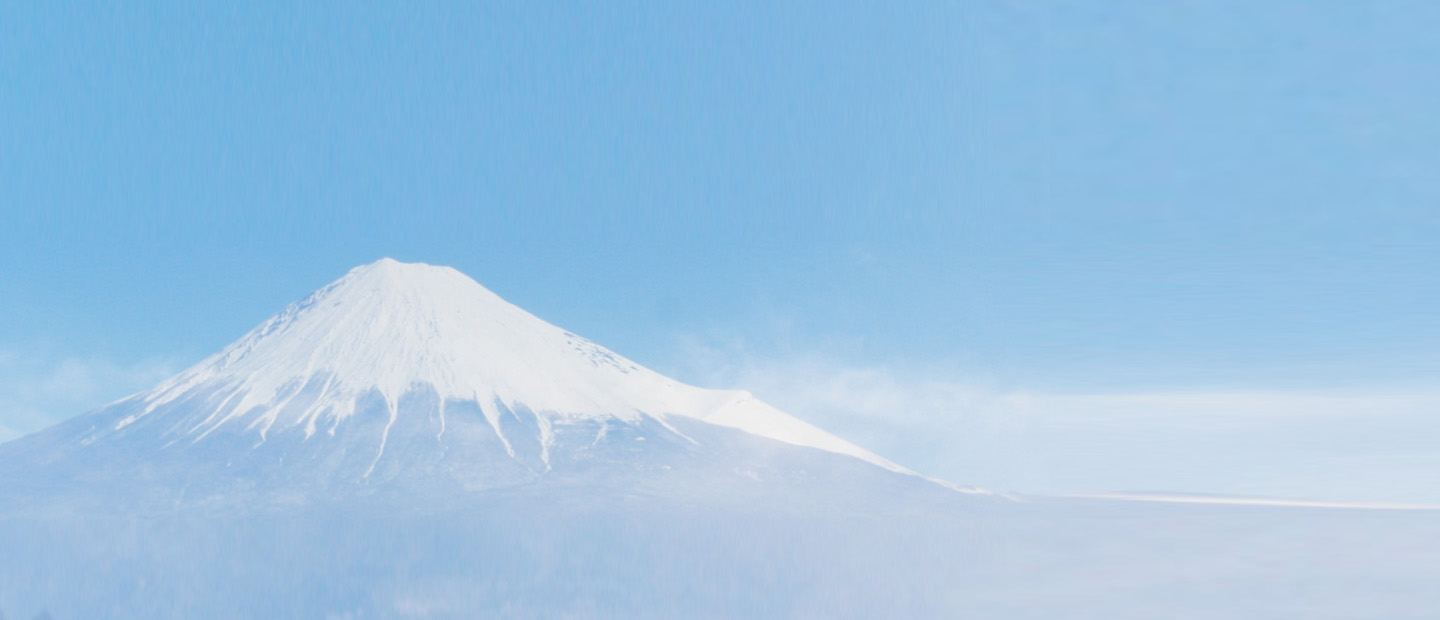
(37, 391)
(1336, 444)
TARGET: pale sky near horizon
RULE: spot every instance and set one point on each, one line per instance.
(1036, 246)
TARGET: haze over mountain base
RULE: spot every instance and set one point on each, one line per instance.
(525, 557)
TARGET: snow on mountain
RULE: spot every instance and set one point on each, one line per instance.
(390, 328)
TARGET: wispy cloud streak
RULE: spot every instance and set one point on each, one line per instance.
(1354, 444)
(36, 391)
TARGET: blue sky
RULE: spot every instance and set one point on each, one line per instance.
(1033, 245)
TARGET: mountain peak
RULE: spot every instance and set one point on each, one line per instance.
(389, 269)
(391, 329)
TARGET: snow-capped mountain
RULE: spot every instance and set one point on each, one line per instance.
(405, 444)
(391, 330)
(412, 378)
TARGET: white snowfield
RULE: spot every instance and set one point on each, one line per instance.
(394, 327)
(1221, 500)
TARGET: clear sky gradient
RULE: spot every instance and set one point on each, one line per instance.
(1046, 246)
